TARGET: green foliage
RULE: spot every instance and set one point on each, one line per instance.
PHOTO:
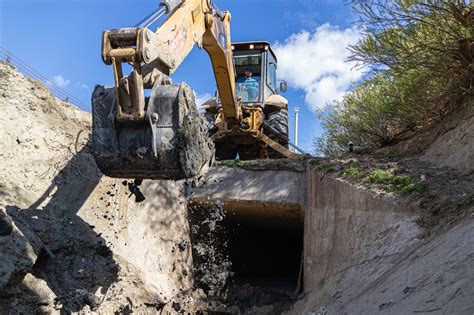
(379, 177)
(411, 187)
(400, 182)
(403, 184)
(467, 201)
(351, 172)
(235, 163)
(419, 59)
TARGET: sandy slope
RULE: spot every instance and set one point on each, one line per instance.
(71, 239)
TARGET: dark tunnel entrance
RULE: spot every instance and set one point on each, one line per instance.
(264, 244)
(263, 251)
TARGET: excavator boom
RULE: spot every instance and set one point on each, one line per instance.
(157, 55)
(162, 136)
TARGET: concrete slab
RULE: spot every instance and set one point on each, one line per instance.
(262, 193)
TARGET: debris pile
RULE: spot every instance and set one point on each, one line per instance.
(212, 268)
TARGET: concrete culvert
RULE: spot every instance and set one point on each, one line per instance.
(264, 251)
(260, 244)
(259, 233)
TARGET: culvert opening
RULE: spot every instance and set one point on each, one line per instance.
(260, 244)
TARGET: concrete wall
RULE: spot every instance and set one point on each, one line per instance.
(346, 226)
(262, 193)
(364, 254)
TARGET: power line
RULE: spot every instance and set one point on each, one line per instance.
(28, 71)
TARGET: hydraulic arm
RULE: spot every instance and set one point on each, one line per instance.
(161, 136)
(156, 55)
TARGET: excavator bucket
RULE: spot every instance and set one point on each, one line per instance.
(171, 142)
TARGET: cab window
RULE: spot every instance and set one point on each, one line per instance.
(247, 60)
(271, 73)
(271, 78)
(248, 89)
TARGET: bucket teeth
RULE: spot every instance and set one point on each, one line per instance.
(172, 141)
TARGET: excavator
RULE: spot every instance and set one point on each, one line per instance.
(147, 127)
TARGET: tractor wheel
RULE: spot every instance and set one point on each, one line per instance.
(276, 127)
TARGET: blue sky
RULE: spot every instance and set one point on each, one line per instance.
(62, 41)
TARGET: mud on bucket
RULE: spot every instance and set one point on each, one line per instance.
(172, 142)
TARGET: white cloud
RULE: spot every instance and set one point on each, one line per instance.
(82, 86)
(317, 63)
(201, 98)
(59, 81)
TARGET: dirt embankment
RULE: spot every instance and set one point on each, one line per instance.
(73, 240)
(446, 143)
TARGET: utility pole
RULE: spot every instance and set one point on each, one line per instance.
(296, 111)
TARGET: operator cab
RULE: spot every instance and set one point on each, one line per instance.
(263, 109)
(259, 58)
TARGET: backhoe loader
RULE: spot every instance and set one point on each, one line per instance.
(147, 127)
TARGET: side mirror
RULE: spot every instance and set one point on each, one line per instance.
(283, 86)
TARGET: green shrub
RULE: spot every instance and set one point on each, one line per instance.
(419, 59)
(235, 163)
(408, 189)
(379, 177)
(351, 172)
(400, 182)
(404, 184)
